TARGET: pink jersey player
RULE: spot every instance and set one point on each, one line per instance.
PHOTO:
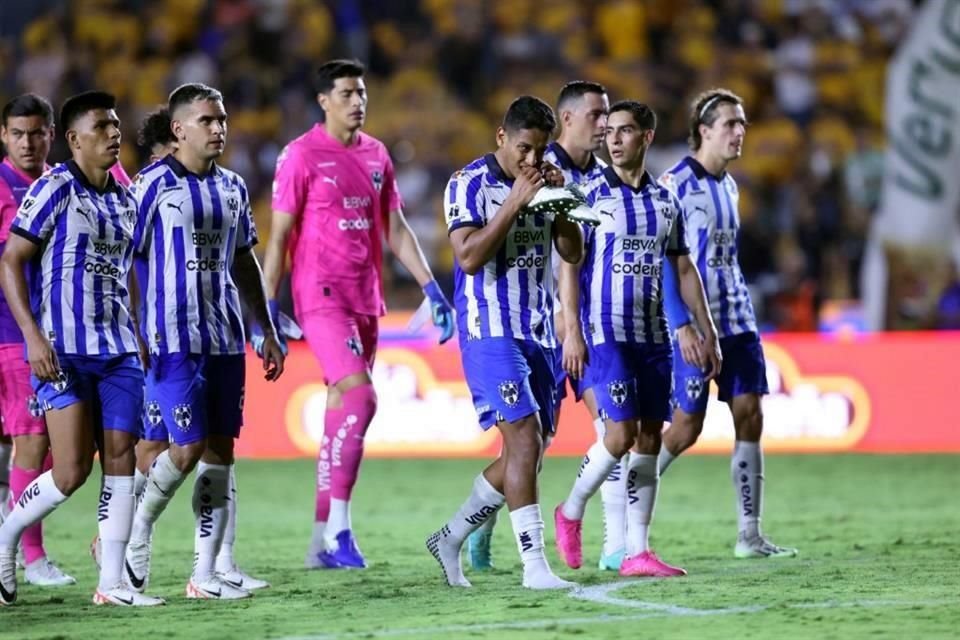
(335, 200)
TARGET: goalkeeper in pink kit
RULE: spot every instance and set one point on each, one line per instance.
(335, 199)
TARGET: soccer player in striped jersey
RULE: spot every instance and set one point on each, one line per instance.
(75, 230)
(625, 357)
(335, 201)
(709, 195)
(504, 301)
(582, 111)
(194, 241)
(27, 131)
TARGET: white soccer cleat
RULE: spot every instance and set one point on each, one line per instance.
(214, 588)
(8, 577)
(44, 573)
(566, 201)
(96, 550)
(237, 578)
(123, 596)
(447, 553)
(137, 564)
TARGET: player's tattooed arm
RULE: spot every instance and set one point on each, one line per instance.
(249, 279)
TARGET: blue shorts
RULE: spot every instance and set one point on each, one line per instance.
(743, 371)
(630, 381)
(190, 396)
(561, 378)
(111, 384)
(509, 380)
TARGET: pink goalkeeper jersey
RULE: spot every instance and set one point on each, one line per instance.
(342, 198)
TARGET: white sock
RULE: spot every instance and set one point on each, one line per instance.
(225, 561)
(6, 450)
(528, 529)
(139, 483)
(488, 524)
(665, 459)
(337, 521)
(600, 428)
(613, 492)
(596, 467)
(484, 501)
(37, 501)
(162, 483)
(210, 511)
(746, 469)
(115, 520)
(317, 542)
(642, 481)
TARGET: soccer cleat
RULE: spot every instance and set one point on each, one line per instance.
(214, 588)
(760, 547)
(569, 542)
(237, 578)
(123, 596)
(137, 564)
(611, 562)
(649, 565)
(44, 573)
(96, 550)
(8, 577)
(447, 553)
(321, 559)
(347, 554)
(478, 545)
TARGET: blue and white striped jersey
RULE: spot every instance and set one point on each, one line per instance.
(512, 295)
(712, 225)
(621, 281)
(78, 281)
(189, 230)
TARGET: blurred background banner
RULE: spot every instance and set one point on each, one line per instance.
(915, 239)
(876, 393)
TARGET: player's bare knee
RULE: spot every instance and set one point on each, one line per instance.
(185, 457)
(526, 441)
(648, 442)
(70, 476)
(219, 450)
(620, 437)
(684, 431)
(30, 451)
(748, 418)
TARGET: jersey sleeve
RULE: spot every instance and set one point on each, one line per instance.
(145, 196)
(677, 313)
(463, 202)
(289, 182)
(44, 203)
(677, 241)
(246, 228)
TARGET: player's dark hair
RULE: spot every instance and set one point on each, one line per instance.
(328, 72)
(575, 90)
(643, 115)
(29, 104)
(155, 129)
(191, 92)
(77, 106)
(703, 110)
(529, 112)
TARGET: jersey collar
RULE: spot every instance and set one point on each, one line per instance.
(614, 180)
(495, 169)
(700, 171)
(182, 172)
(566, 162)
(112, 184)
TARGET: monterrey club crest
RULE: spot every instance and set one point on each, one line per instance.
(377, 178)
(154, 415)
(183, 416)
(509, 392)
(694, 387)
(618, 392)
(355, 346)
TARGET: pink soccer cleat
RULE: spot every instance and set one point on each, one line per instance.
(649, 565)
(569, 543)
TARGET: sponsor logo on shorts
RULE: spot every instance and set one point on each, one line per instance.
(509, 392)
(618, 392)
(154, 415)
(183, 416)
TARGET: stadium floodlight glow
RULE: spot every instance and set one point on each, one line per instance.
(567, 201)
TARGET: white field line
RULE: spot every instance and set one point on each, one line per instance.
(600, 594)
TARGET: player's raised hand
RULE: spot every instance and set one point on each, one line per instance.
(551, 175)
(440, 310)
(42, 358)
(526, 185)
(691, 346)
(273, 358)
(574, 355)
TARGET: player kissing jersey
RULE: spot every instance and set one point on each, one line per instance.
(189, 230)
(90, 250)
(341, 197)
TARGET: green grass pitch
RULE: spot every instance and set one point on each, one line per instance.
(878, 537)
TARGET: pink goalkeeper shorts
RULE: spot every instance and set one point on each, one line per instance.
(19, 406)
(343, 342)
